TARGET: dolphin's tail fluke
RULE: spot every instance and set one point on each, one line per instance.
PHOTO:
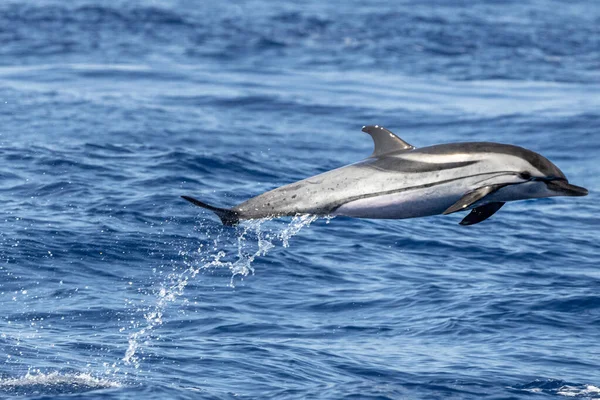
(228, 217)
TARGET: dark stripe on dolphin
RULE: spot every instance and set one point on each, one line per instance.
(398, 164)
(335, 206)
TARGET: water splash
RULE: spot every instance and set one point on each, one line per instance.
(36, 381)
(586, 391)
(562, 388)
(251, 241)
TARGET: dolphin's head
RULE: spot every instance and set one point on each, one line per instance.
(518, 172)
(534, 176)
(546, 179)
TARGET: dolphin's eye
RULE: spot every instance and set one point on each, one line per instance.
(525, 175)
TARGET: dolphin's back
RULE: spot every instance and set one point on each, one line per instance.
(483, 149)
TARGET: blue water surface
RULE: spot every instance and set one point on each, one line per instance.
(113, 287)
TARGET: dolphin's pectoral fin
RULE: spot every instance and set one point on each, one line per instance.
(471, 198)
(228, 217)
(481, 213)
(385, 141)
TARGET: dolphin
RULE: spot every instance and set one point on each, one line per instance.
(401, 181)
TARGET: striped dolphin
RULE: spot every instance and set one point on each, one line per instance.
(401, 181)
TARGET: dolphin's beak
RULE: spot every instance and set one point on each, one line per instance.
(566, 189)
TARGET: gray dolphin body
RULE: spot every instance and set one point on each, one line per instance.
(400, 181)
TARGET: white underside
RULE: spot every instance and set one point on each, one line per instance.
(406, 204)
(434, 200)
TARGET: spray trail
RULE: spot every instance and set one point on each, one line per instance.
(251, 242)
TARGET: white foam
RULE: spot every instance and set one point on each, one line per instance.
(587, 391)
(77, 380)
(578, 391)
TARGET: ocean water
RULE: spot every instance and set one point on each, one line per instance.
(113, 287)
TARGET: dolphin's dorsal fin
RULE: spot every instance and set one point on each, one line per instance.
(385, 141)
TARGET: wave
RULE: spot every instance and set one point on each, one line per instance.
(459, 41)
